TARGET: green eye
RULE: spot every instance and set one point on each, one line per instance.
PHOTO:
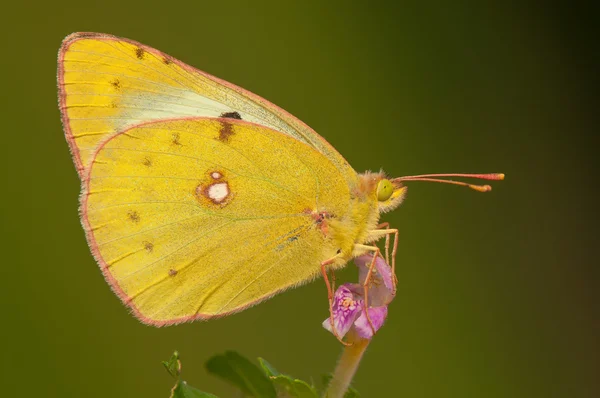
(384, 190)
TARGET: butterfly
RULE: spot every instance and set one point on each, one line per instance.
(200, 199)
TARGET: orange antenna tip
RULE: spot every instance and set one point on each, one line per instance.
(491, 176)
(480, 188)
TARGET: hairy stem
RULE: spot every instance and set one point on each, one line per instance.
(346, 366)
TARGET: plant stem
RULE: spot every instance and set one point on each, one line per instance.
(346, 366)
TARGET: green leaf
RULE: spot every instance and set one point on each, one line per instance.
(351, 393)
(173, 365)
(293, 387)
(234, 368)
(268, 368)
(182, 390)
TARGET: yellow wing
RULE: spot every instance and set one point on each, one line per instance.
(195, 218)
(107, 84)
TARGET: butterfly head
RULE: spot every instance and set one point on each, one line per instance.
(376, 186)
(390, 194)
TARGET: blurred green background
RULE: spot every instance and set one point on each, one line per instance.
(498, 292)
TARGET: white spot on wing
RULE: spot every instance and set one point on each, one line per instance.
(218, 192)
(216, 175)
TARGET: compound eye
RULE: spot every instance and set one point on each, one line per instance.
(384, 190)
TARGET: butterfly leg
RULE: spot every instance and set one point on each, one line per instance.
(367, 280)
(379, 233)
(330, 298)
(332, 280)
(386, 225)
(394, 251)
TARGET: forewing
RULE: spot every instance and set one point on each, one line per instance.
(108, 84)
(196, 218)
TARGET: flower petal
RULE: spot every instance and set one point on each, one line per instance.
(385, 271)
(363, 262)
(377, 315)
(381, 288)
(346, 309)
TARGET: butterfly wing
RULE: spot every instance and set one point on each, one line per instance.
(195, 218)
(107, 84)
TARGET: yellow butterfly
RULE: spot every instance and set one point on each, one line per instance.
(201, 199)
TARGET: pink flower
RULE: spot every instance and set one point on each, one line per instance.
(348, 301)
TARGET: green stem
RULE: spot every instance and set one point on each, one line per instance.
(346, 366)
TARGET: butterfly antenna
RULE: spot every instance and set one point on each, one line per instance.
(439, 178)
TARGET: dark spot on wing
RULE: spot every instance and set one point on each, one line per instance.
(231, 115)
(139, 53)
(148, 246)
(225, 132)
(175, 139)
(133, 216)
(116, 84)
(172, 272)
(339, 251)
(167, 60)
(114, 104)
(287, 242)
(147, 162)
